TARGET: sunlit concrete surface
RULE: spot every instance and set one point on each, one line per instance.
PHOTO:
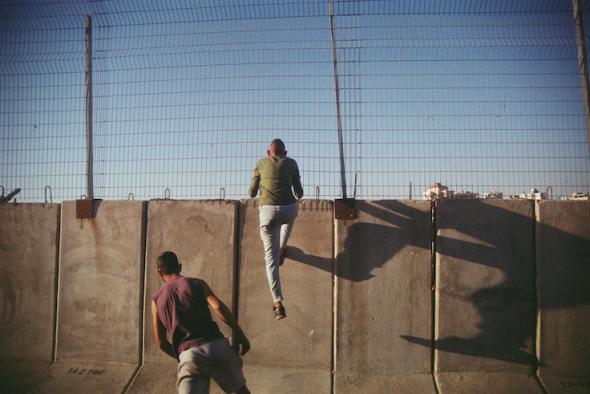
(489, 296)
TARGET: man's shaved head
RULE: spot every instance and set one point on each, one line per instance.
(277, 148)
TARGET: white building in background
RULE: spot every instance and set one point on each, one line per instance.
(578, 197)
(533, 195)
(493, 195)
(438, 191)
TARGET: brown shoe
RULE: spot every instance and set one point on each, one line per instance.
(279, 312)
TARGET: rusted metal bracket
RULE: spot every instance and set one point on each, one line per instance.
(345, 208)
(85, 208)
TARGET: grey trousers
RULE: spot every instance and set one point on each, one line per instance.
(276, 223)
(215, 359)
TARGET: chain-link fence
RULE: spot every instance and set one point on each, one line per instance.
(480, 96)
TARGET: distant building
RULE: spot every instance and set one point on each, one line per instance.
(533, 195)
(579, 197)
(493, 195)
(465, 195)
(438, 191)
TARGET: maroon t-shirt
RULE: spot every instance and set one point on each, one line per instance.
(183, 310)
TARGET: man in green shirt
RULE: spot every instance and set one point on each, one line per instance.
(277, 177)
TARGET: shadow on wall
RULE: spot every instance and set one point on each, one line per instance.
(506, 310)
(9, 304)
(401, 226)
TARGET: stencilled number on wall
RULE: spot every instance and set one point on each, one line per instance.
(86, 371)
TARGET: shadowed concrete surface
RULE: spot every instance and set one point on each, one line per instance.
(503, 284)
(202, 234)
(292, 355)
(384, 275)
(98, 320)
(28, 260)
(563, 258)
(485, 303)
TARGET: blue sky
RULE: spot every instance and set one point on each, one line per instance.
(479, 95)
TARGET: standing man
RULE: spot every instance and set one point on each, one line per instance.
(181, 309)
(277, 177)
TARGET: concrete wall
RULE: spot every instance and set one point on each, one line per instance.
(384, 277)
(501, 291)
(292, 355)
(563, 259)
(99, 315)
(485, 296)
(201, 233)
(28, 262)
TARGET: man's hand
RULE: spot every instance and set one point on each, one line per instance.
(242, 344)
(222, 311)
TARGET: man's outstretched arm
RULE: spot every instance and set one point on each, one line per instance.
(160, 333)
(254, 183)
(223, 312)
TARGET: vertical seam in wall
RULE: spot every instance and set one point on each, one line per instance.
(236, 263)
(434, 298)
(56, 284)
(143, 276)
(537, 308)
(334, 300)
(142, 294)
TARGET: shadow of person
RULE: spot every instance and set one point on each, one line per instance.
(387, 227)
(486, 252)
(505, 331)
(500, 237)
(485, 281)
(297, 255)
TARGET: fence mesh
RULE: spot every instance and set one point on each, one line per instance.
(477, 95)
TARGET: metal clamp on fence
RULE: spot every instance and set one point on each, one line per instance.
(86, 207)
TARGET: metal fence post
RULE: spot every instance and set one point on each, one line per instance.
(88, 101)
(337, 92)
(582, 64)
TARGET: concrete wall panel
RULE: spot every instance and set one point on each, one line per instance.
(563, 258)
(100, 276)
(201, 233)
(80, 376)
(99, 315)
(484, 315)
(292, 355)
(28, 261)
(384, 299)
(485, 312)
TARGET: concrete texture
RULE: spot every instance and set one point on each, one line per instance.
(383, 296)
(72, 376)
(99, 315)
(292, 355)
(482, 382)
(485, 301)
(201, 233)
(484, 314)
(28, 260)
(563, 258)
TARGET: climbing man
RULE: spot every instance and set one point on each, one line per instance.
(277, 177)
(181, 309)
